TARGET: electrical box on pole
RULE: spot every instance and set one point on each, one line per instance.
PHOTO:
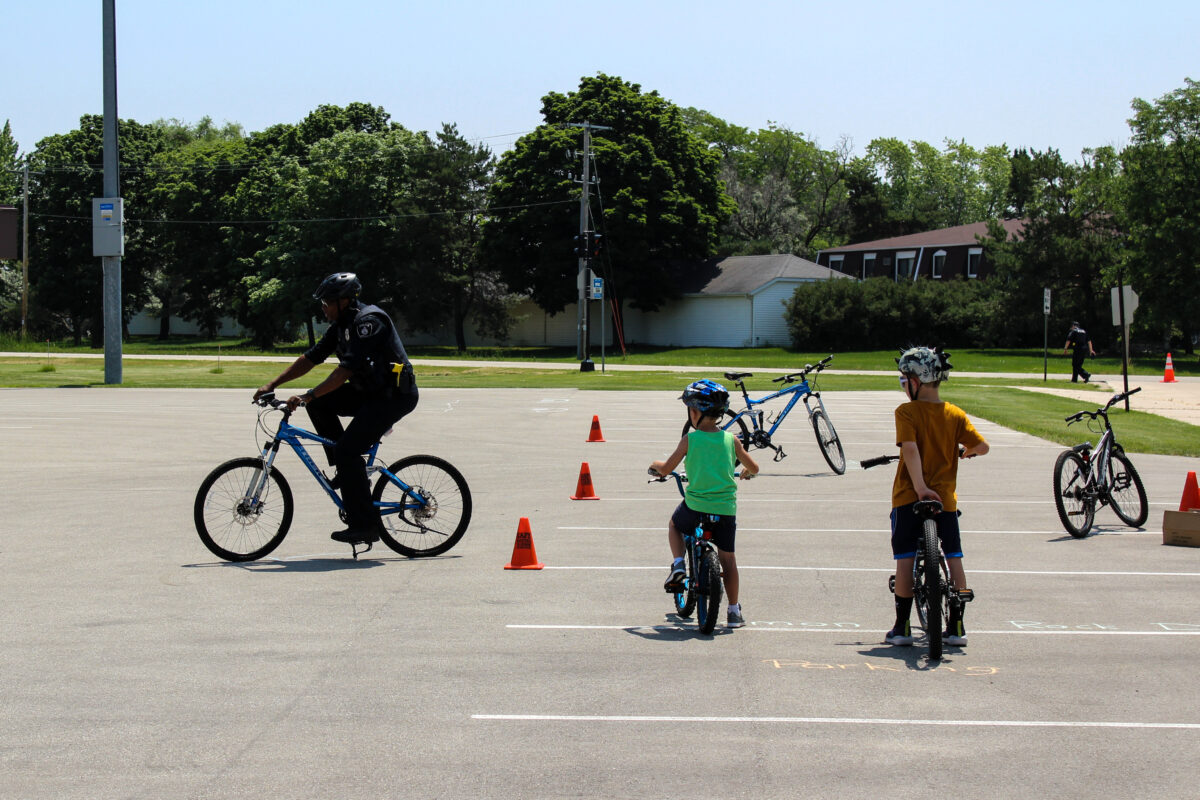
(108, 226)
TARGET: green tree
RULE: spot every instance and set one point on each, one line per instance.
(10, 166)
(660, 200)
(65, 174)
(451, 190)
(1162, 209)
(1069, 244)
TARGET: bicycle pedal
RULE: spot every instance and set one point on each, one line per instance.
(965, 595)
(354, 548)
(674, 588)
(780, 455)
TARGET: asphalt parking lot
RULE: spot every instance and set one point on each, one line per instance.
(135, 664)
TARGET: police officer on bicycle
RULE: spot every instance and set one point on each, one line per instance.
(373, 383)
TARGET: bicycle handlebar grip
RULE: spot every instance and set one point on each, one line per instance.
(876, 461)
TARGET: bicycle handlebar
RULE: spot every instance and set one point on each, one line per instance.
(877, 460)
(820, 365)
(1099, 412)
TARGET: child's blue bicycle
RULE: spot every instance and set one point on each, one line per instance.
(244, 507)
(753, 430)
(701, 590)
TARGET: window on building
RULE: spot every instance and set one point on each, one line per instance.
(939, 263)
(905, 263)
(868, 265)
(835, 262)
(974, 255)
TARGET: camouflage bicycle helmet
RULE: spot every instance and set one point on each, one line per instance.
(707, 397)
(928, 364)
(337, 286)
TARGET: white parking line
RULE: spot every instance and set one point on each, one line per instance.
(829, 629)
(964, 723)
(1056, 573)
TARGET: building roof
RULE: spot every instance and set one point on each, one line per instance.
(943, 237)
(748, 274)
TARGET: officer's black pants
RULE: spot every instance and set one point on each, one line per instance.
(1077, 370)
(373, 413)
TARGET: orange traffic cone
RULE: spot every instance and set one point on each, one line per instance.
(595, 435)
(1191, 494)
(1169, 374)
(524, 556)
(583, 490)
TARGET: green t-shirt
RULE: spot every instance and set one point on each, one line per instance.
(709, 462)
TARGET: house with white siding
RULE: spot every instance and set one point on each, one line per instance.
(737, 301)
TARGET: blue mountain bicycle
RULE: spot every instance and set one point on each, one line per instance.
(751, 427)
(244, 507)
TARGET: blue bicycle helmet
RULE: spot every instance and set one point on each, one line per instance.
(707, 397)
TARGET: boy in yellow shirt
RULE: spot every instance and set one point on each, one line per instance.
(929, 433)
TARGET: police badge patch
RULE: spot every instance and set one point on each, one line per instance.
(367, 327)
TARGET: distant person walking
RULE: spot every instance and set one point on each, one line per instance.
(1079, 339)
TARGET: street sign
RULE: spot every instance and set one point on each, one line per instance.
(1046, 302)
(1131, 303)
(597, 288)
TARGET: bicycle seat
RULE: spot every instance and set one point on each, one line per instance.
(737, 376)
(927, 509)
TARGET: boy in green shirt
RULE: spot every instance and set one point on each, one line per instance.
(709, 455)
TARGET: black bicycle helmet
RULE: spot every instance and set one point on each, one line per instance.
(929, 364)
(707, 397)
(337, 286)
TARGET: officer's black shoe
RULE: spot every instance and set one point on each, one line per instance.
(356, 535)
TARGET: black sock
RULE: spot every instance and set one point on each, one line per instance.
(903, 610)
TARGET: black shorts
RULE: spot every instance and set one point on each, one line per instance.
(723, 526)
(907, 529)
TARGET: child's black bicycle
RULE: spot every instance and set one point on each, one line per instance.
(1089, 475)
(934, 593)
(701, 590)
(244, 507)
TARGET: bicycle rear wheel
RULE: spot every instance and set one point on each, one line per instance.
(828, 441)
(934, 592)
(708, 607)
(431, 515)
(1076, 509)
(233, 522)
(1126, 493)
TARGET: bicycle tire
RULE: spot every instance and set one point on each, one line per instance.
(934, 591)
(1076, 510)
(1125, 486)
(441, 520)
(708, 607)
(828, 441)
(685, 601)
(233, 528)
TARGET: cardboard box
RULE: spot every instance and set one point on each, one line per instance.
(1182, 528)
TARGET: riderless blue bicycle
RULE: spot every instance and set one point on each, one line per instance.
(752, 428)
(244, 507)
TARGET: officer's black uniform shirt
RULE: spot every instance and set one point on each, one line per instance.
(1079, 339)
(367, 344)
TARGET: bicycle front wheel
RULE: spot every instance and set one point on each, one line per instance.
(236, 522)
(426, 511)
(1076, 509)
(934, 590)
(685, 601)
(828, 441)
(708, 605)
(1126, 492)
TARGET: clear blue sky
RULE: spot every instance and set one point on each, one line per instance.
(1035, 74)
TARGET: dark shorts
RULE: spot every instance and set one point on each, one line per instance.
(723, 526)
(907, 529)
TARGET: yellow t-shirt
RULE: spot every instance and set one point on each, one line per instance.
(938, 429)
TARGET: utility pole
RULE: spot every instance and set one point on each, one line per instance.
(585, 242)
(113, 245)
(25, 251)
